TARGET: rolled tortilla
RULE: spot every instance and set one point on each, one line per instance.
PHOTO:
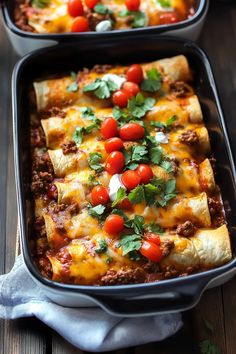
(66, 164)
(206, 249)
(206, 176)
(181, 209)
(70, 192)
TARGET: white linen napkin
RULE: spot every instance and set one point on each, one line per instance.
(89, 329)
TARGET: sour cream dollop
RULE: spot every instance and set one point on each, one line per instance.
(114, 184)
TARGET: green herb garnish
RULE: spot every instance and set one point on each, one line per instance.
(73, 87)
(138, 106)
(120, 195)
(96, 211)
(101, 88)
(40, 3)
(153, 81)
(102, 246)
(95, 161)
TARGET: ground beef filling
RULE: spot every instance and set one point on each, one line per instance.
(123, 276)
(189, 137)
(187, 229)
(216, 211)
(69, 147)
(181, 89)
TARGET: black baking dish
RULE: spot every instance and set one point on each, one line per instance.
(129, 300)
(25, 42)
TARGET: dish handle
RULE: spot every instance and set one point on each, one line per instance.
(154, 302)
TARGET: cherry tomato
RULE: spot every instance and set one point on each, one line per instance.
(130, 179)
(80, 24)
(113, 144)
(168, 17)
(109, 128)
(99, 195)
(126, 205)
(52, 192)
(135, 73)
(114, 224)
(131, 131)
(91, 3)
(75, 8)
(115, 162)
(145, 173)
(151, 251)
(120, 98)
(132, 5)
(154, 238)
(131, 88)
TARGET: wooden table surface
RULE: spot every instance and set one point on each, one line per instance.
(217, 306)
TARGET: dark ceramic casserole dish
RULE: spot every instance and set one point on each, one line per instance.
(125, 300)
(24, 42)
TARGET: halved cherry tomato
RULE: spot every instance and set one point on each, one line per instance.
(113, 144)
(115, 162)
(131, 131)
(145, 173)
(80, 24)
(109, 128)
(135, 73)
(126, 205)
(168, 17)
(132, 5)
(114, 224)
(99, 195)
(130, 179)
(151, 251)
(120, 98)
(131, 88)
(91, 3)
(52, 192)
(75, 8)
(154, 238)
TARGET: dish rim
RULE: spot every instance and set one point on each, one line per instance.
(207, 275)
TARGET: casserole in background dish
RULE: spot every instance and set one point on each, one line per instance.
(167, 295)
(24, 42)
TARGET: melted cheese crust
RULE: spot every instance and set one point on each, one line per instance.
(77, 235)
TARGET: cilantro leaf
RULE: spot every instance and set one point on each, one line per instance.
(120, 195)
(96, 211)
(102, 246)
(138, 106)
(207, 347)
(164, 3)
(109, 259)
(87, 112)
(73, 87)
(153, 227)
(153, 81)
(92, 181)
(101, 9)
(94, 161)
(137, 195)
(40, 3)
(150, 192)
(130, 243)
(135, 156)
(78, 135)
(170, 121)
(121, 213)
(101, 88)
(167, 165)
(139, 18)
(138, 224)
(156, 155)
(170, 186)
